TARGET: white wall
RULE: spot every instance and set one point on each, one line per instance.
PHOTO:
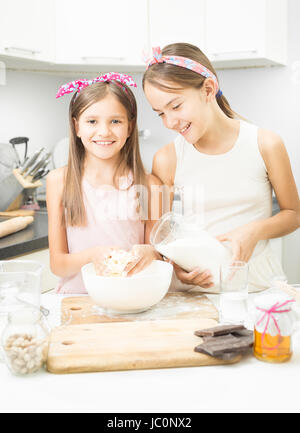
(28, 108)
(269, 97)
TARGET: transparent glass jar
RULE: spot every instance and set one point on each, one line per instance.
(274, 326)
(24, 275)
(183, 240)
(25, 341)
(8, 304)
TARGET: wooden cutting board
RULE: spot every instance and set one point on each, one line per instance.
(179, 305)
(128, 346)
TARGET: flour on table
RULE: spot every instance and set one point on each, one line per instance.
(168, 307)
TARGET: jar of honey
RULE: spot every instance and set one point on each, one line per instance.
(274, 323)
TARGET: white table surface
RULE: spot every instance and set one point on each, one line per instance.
(249, 386)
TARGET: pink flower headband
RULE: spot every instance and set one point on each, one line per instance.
(183, 62)
(77, 86)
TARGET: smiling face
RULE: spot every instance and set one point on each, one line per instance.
(185, 111)
(104, 128)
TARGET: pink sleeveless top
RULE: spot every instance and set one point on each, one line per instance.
(112, 220)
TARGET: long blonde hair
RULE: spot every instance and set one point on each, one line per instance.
(161, 73)
(130, 157)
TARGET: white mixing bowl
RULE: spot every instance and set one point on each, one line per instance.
(134, 294)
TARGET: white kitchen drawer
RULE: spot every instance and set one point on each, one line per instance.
(177, 21)
(99, 36)
(100, 33)
(26, 29)
(247, 32)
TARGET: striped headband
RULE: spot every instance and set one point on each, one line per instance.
(78, 85)
(183, 62)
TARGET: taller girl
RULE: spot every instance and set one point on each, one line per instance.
(236, 163)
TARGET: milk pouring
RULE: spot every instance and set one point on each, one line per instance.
(189, 246)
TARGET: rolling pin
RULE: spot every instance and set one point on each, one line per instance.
(14, 225)
(17, 213)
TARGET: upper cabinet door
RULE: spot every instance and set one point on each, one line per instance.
(100, 32)
(177, 21)
(27, 29)
(246, 32)
(112, 34)
(234, 26)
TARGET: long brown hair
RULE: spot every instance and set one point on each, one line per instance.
(161, 73)
(130, 157)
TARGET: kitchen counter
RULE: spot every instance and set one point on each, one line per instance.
(34, 237)
(249, 386)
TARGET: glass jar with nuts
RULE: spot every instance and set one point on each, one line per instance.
(25, 341)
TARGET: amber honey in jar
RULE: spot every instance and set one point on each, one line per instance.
(274, 323)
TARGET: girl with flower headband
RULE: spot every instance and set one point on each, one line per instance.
(93, 204)
(234, 162)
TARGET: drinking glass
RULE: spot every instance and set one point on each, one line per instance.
(234, 293)
(25, 276)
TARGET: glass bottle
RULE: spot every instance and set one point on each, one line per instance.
(183, 240)
(24, 275)
(274, 325)
(8, 303)
(25, 341)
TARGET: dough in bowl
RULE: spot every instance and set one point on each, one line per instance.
(115, 263)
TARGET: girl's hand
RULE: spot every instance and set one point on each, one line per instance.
(98, 255)
(243, 241)
(145, 255)
(203, 279)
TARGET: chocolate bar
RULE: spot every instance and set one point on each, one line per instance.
(223, 357)
(225, 344)
(225, 341)
(220, 330)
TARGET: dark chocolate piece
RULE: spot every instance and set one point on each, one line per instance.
(223, 357)
(218, 346)
(243, 333)
(219, 330)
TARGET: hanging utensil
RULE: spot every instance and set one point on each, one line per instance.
(16, 141)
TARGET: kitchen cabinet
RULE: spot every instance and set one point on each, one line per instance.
(70, 36)
(106, 33)
(26, 29)
(246, 33)
(176, 21)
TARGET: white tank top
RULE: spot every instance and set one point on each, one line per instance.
(234, 190)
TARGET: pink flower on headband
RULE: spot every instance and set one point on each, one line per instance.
(78, 85)
(157, 55)
(183, 62)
